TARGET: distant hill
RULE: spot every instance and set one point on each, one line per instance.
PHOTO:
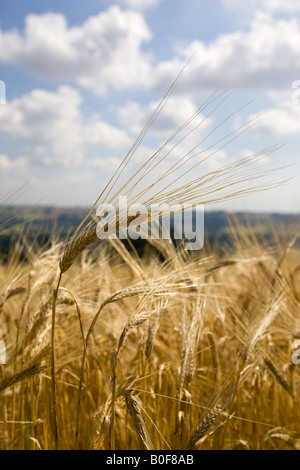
(41, 223)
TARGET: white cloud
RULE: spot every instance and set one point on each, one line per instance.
(112, 163)
(282, 120)
(16, 166)
(99, 133)
(174, 114)
(289, 6)
(4, 162)
(80, 178)
(264, 57)
(103, 51)
(133, 116)
(177, 110)
(139, 4)
(47, 124)
(106, 52)
(52, 131)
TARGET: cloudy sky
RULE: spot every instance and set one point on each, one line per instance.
(82, 79)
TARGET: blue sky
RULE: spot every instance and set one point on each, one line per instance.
(82, 78)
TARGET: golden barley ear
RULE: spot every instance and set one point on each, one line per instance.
(76, 248)
(23, 375)
(278, 375)
(139, 425)
(82, 243)
(202, 428)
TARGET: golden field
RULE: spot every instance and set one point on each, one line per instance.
(169, 350)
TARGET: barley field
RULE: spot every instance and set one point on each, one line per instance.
(113, 343)
(168, 350)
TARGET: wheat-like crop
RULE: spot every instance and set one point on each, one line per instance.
(171, 338)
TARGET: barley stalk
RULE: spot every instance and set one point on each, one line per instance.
(138, 421)
(203, 427)
(278, 375)
(20, 376)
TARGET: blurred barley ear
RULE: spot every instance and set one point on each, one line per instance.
(138, 421)
(203, 427)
